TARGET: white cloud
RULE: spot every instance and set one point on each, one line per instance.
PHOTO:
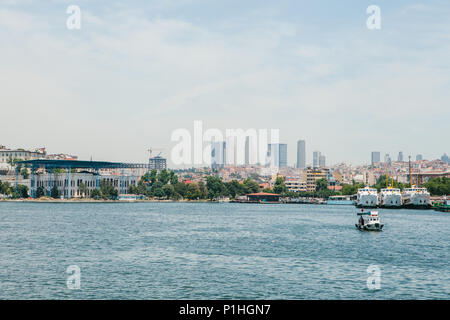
(125, 81)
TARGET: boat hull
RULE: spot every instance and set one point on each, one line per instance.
(417, 206)
(370, 227)
(417, 200)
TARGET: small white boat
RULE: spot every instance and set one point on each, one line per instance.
(369, 221)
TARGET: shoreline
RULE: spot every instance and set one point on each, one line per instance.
(95, 201)
(89, 200)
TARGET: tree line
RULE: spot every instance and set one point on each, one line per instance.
(166, 185)
(15, 192)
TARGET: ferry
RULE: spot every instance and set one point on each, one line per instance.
(390, 198)
(340, 200)
(416, 198)
(369, 221)
(443, 206)
(366, 197)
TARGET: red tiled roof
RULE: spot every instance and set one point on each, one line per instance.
(262, 194)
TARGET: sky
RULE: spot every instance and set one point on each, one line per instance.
(136, 71)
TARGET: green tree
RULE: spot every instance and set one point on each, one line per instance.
(173, 178)
(348, 189)
(251, 185)
(216, 187)
(24, 173)
(181, 189)
(96, 194)
(83, 189)
(279, 186)
(321, 185)
(438, 186)
(132, 189)
(158, 192)
(54, 193)
(153, 176)
(234, 188)
(13, 161)
(5, 188)
(163, 176)
(108, 191)
(169, 191)
(203, 190)
(20, 191)
(157, 185)
(40, 192)
(145, 178)
(193, 191)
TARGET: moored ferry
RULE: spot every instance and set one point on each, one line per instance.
(366, 198)
(340, 200)
(416, 198)
(390, 198)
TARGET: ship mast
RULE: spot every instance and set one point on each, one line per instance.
(387, 180)
(410, 176)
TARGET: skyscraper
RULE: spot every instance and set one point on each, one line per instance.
(400, 156)
(419, 157)
(283, 155)
(301, 154)
(445, 158)
(247, 151)
(218, 154)
(387, 158)
(375, 157)
(316, 159)
(277, 154)
(322, 161)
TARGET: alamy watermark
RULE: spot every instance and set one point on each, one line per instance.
(73, 22)
(374, 278)
(374, 20)
(234, 147)
(74, 279)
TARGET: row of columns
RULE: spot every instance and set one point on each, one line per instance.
(68, 185)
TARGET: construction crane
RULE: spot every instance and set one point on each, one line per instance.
(155, 149)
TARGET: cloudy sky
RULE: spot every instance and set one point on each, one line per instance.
(138, 70)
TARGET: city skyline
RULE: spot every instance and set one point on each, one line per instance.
(219, 158)
(135, 72)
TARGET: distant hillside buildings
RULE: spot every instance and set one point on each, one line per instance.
(6, 155)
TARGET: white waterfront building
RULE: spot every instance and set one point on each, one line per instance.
(69, 185)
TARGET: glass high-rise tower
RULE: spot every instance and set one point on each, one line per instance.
(375, 157)
(301, 154)
(277, 154)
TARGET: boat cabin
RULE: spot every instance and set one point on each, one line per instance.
(418, 190)
(369, 216)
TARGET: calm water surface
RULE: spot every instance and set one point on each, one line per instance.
(219, 251)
